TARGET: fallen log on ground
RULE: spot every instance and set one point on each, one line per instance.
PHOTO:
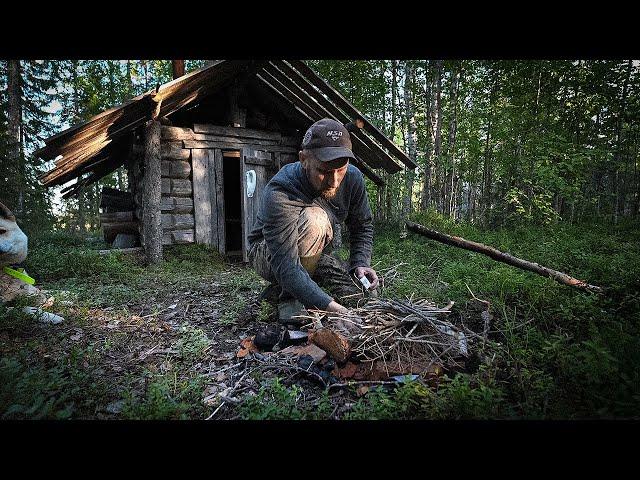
(503, 257)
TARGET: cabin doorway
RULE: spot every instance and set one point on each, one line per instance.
(233, 224)
(228, 182)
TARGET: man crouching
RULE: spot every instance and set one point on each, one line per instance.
(301, 205)
(15, 282)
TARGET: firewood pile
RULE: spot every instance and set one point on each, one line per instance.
(379, 339)
(411, 335)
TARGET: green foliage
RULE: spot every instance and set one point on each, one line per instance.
(462, 398)
(186, 260)
(69, 262)
(409, 400)
(274, 401)
(553, 353)
(563, 353)
(192, 343)
(33, 392)
(165, 398)
(267, 311)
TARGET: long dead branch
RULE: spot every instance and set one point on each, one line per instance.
(503, 257)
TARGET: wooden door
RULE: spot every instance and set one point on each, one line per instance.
(208, 197)
(258, 167)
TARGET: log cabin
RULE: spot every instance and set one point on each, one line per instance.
(199, 150)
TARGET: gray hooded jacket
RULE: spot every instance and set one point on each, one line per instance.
(284, 197)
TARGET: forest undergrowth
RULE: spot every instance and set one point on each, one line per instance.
(142, 342)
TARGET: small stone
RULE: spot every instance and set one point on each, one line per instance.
(305, 361)
(267, 338)
(125, 240)
(295, 337)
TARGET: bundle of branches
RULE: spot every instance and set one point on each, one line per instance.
(409, 336)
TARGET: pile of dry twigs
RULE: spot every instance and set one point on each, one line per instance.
(413, 334)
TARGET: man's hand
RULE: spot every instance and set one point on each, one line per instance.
(368, 272)
(336, 307)
(348, 326)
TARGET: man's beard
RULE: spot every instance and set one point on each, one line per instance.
(328, 194)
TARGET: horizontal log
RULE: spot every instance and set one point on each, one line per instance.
(116, 200)
(176, 205)
(181, 221)
(117, 217)
(121, 227)
(236, 132)
(294, 142)
(180, 169)
(180, 188)
(502, 257)
(111, 230)
(265, 162)
(205, 144)
(183, 236)
(175, 169)
(176, 133)
(226, 139)
(173, 151)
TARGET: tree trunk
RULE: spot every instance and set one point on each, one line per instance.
(449, 200)
(391, 133)
(14, 128)
(82, 202)
(151, 219)
(487, 167)
(620, 124)
(437, 148)
(82, 197)
(177, 68)
(130, 89)
(381, 190)
(429, 116)
(411, 136)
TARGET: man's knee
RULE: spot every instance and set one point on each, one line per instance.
(259, 260)
(314, 231)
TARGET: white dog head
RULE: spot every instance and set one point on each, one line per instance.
(13, 242)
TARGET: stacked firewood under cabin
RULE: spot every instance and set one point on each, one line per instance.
(118, 220)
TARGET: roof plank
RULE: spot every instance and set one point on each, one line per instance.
(385, 159)
(335, 96)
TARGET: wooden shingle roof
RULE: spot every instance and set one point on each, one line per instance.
(98, 146)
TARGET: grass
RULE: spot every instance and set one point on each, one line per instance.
(577, 355)
(558, 353)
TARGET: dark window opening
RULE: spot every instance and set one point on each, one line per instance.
(232, 203)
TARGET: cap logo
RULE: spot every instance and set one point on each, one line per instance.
(334, 134)
(307, 137)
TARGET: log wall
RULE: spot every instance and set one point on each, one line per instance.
(177, 143)
(178, 221)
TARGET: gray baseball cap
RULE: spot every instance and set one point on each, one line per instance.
(329, 140)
